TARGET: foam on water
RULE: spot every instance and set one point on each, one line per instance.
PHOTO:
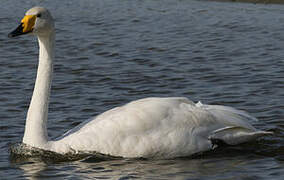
(21, 152)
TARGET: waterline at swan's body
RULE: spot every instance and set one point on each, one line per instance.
(151, 127)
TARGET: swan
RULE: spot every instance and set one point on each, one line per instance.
(150, 127)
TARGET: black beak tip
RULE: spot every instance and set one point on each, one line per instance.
(18, 31)
(10, 35)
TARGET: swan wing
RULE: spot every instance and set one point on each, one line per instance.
(229, 114)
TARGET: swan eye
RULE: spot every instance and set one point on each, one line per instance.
(38, 15)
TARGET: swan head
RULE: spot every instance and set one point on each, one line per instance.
(37, 21)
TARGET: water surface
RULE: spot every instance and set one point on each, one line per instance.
(114, 51)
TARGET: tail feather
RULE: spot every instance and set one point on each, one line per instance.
(236, 135)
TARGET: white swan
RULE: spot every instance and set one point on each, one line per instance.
(150, 127)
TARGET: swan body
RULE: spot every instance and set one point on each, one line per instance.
(150, 127)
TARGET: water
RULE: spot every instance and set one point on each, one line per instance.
(113, 51)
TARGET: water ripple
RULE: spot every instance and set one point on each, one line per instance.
(112, 52)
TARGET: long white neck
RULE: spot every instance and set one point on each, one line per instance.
(35, 130)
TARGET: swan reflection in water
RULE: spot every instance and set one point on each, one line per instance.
(208, 165)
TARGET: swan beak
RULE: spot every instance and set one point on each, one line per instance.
(26, 26)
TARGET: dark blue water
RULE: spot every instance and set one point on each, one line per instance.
(113, 51)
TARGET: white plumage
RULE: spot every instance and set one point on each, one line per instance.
(150, 127)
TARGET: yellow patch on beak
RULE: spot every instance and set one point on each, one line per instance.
(28, 23)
